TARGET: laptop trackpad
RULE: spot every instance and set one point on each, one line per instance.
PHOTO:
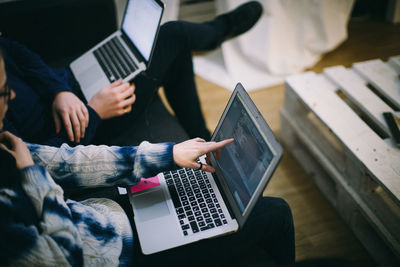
(150, 205)
(91, 75)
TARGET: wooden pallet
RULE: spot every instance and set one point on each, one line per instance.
(333, 124)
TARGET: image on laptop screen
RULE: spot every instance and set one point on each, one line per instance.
(140, 24)
(243, 163)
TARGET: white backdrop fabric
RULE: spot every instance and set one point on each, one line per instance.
(290, 36)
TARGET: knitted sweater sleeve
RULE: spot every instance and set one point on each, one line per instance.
(93, 166)
(56, 241)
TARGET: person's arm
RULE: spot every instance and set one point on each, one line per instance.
(45, 80)
(67, 109)
(55, 240)
(62, 137)
(93, 166)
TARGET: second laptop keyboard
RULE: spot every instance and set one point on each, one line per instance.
(115, 60)
(195, 201)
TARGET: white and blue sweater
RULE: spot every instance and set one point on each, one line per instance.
(40, 228)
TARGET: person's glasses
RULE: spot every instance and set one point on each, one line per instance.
(6, 92)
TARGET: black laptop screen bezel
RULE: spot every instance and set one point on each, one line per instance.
(131, 44)
(267, 134)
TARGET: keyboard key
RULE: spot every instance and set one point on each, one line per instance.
(198, 206)
(199, 219)
(194, 226)
(174, 196)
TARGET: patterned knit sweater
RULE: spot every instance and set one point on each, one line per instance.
(39, 227)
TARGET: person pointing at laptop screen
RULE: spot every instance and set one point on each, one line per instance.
(39, 227)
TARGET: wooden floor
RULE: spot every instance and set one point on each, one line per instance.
(320, 232)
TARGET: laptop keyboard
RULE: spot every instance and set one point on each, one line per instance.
(194, 199)
(115, 60)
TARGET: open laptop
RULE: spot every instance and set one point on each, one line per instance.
(123, 54)
(191, 205)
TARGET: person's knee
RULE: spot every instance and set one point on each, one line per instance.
(278, 208)
(172, 29)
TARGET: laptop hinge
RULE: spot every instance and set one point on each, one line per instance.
(223, 196)
(131, 47)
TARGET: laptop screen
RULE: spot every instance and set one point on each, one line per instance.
(140, 24)
(246, 161)
(246, 165)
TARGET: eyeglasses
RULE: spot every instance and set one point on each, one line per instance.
(6, 93)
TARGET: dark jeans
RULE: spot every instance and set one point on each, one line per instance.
(172, 68)
(269, 232)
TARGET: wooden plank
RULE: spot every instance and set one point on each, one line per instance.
(355, 88)
(381, 160)
(382, 77)
(317, 165)
(313, 127)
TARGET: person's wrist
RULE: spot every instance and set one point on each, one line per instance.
(24, 163)
(96, 109)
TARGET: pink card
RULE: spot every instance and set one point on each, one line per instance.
(145, 183)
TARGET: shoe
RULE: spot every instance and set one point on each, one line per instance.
(242, 19)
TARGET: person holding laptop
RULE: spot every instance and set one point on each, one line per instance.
(40, 227)
(48, 111)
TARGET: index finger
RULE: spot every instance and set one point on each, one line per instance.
(211, 146)
(123, 87)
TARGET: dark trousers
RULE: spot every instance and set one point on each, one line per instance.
(267, 239)
(268, 235)
(172, 68)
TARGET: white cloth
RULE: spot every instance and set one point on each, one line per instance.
(290, 36)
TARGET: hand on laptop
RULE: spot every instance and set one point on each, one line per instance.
(186, 153)
(113, 100)
(69, 109)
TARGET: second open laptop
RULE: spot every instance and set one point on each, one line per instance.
(190, 205)
(123, 54)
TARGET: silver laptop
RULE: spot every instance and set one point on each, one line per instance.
(123, 54)
(191, 205)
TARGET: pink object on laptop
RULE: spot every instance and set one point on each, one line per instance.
(144, 184)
